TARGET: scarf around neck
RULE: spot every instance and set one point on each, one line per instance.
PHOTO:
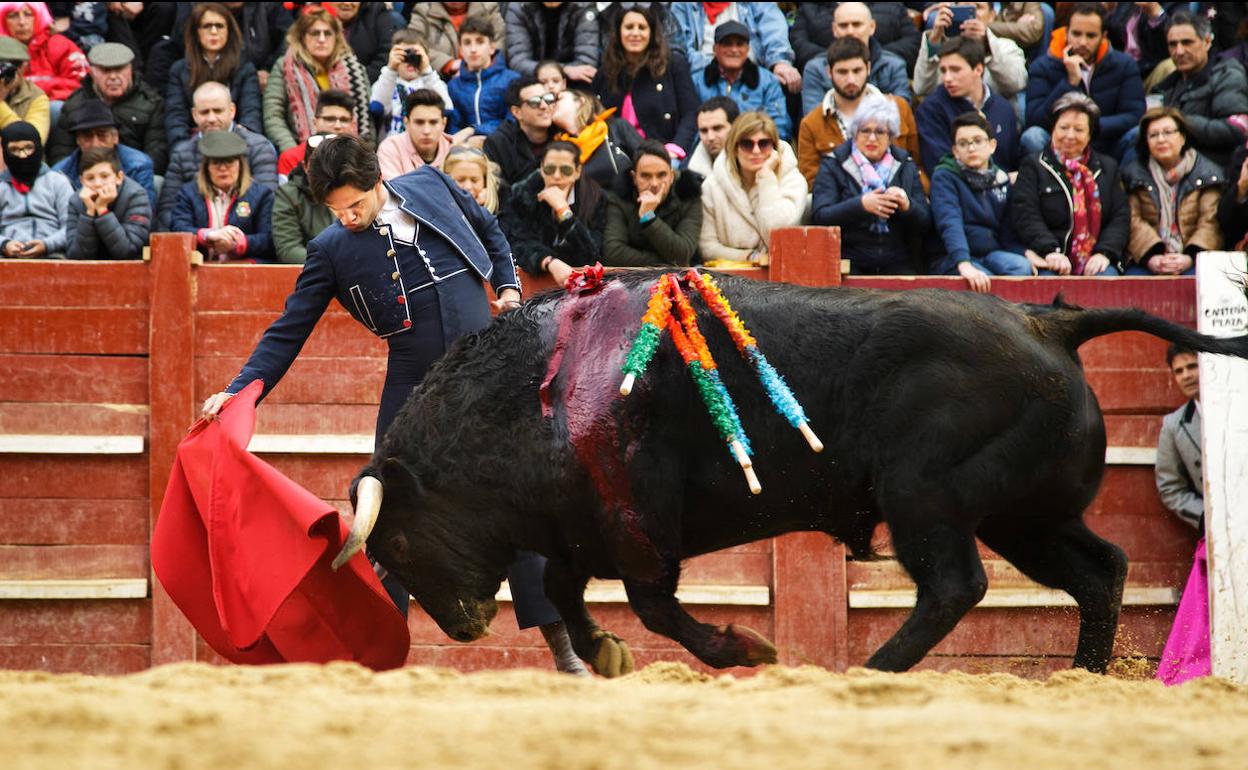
(1085, 214)
(1168, 198)
(875, 176)
(302, 91)
(591, 136)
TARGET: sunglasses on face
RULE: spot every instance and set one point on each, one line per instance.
(750, 145)
(212, 26)
(533, 102)
(550, 168)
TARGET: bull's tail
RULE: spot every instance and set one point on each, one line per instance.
(1075, 326)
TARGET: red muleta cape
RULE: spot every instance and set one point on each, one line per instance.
(245, 552)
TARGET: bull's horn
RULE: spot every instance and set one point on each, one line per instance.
(368, 505)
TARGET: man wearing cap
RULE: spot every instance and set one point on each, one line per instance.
(19, 98)
(213, 110)
(95, 126)
(732, 73)
(229, 214)
(407, 259)
(138, 108)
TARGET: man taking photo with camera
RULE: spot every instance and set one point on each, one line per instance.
(406, 70)
(21, 100)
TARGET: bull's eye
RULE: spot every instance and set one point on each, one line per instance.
(398, 545)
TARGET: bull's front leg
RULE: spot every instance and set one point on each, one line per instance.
(655, 603)
(607, 653)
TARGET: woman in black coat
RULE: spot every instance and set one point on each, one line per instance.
(214, 51)
(555, 217)
(638, 63)
(1047, 210)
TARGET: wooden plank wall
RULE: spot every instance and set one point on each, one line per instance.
(75, 341)
(73, 362)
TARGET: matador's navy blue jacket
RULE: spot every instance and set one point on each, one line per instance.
(372, 280)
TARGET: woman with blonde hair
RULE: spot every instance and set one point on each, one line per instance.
(754, 187)
(475, 174)
(230, 217)
(317, 59)
(606, 142)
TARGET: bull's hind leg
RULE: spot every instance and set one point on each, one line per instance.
(655, 603)
(607, 653)
(943, 561)
(1071, 558)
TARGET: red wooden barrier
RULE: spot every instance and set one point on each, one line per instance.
(132, 349)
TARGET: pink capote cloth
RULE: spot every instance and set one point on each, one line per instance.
(245, 553)
(1187, 650)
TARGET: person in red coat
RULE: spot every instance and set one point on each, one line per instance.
(56, 65)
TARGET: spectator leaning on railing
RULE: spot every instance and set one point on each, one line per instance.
(230, 216)
(110, 217)
(34, 199)
(659, 219)
(1173, 192)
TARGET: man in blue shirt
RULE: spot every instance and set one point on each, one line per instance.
(731, 73)
(95, 126)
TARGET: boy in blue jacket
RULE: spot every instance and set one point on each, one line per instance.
(969, 193)
(478, 91)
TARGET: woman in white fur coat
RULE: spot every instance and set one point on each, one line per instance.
(754, 187)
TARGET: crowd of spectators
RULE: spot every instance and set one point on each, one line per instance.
(972, 139)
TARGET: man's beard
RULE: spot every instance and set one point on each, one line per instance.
(849, 95)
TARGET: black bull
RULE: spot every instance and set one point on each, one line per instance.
(950, 416)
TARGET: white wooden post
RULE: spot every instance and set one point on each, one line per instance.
(1223, 312)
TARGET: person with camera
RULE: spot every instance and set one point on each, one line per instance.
(407, 70)
(110, 217)
(1005, 66)
(19, 98)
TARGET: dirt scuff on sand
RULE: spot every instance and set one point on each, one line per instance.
(188, 717)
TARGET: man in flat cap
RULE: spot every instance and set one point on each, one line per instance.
(95, 126)
(20, 100)
(138, 108)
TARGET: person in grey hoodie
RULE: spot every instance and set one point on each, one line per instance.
(34, 199)
(111, 216)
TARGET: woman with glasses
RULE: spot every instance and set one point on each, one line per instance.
(606, 143)
(870, 187)
(475, 174)
(1173, 192)
(214, 51)
(557, 215)
(649, 84)
(230, 217)
(754, 187)
(317, 59)
(969, 196)
(1067, 204)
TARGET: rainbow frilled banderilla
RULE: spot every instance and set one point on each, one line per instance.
(669, 308)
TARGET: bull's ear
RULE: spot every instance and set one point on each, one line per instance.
(396, 476)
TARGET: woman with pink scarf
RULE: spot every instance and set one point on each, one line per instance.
(317, 59)
(1068, 204)
(57, 66)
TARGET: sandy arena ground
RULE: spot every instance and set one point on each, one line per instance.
(342, 716)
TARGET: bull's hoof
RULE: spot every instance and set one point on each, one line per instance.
(753, 649)
(612, 657)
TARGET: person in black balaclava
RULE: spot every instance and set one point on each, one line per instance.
(34, 202)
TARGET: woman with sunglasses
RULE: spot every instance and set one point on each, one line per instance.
(651, 86)
(557, 215)
(754, 187)
(317, 59)
(870, 187)
(606, 143)
(214, 51)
